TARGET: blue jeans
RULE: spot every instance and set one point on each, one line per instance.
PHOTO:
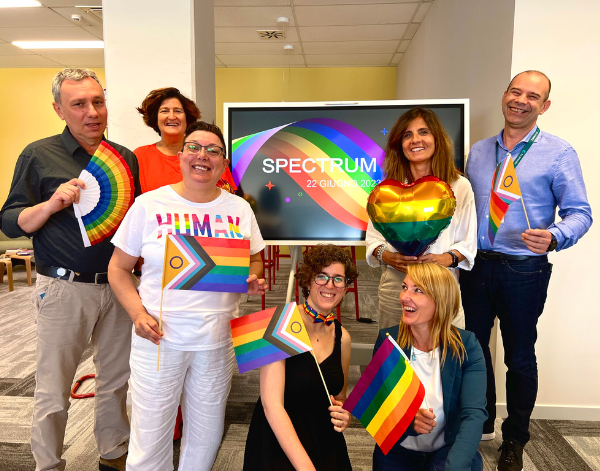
(402, 459)
(515, 292)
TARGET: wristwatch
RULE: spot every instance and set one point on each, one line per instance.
(454, 263)
(553, 244)
(379, 253)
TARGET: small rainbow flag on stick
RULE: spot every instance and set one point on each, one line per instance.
(206, 264)
(505, 190)
(269, 336)
(387, 395)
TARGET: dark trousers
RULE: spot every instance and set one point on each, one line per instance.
(514, 291)
(402, 459)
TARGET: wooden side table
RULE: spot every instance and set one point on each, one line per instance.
(27, 259)
(6, 262)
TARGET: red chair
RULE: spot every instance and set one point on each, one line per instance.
(269, 264)
(276, 256)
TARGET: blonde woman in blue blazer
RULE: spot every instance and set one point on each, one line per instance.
(446, 431)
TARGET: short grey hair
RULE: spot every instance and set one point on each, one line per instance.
(76, 75)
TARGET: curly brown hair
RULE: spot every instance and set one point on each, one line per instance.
(151, 105)
(319, 257)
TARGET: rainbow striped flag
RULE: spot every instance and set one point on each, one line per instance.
(206, 264)
(505, 190)
(387, 396)
(269, 336)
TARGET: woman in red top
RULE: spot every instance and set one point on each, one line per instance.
(169, 113)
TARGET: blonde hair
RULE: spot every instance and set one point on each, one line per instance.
(439, 285)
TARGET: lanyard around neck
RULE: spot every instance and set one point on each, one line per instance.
(524, 150)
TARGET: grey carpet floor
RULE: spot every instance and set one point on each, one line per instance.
(555, 445)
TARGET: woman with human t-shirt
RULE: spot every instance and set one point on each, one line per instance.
(196, 351)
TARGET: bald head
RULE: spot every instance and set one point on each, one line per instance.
(533, 72)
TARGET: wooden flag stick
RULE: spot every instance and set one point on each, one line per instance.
(525, 211)
(406, 358)
(323, 379)
(159, 329)
(162, 290)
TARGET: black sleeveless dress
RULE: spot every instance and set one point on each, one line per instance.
(305, 401)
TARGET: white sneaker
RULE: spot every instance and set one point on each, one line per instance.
(488, 436)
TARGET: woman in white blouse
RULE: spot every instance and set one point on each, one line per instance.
(418, 145)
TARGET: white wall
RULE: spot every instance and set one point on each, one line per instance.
(150, 44)
(462, 50)
(466, 49)
(140, 56)
(562, 40)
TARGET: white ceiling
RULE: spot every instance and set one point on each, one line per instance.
(324, 33)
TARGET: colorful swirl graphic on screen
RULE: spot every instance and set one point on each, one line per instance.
(342, 161)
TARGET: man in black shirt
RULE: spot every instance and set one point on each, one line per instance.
(72, 299)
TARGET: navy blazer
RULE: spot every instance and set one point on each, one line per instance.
(463, 387)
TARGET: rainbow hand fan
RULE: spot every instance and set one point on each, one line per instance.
(108, 194)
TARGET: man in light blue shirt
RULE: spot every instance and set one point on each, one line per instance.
(511, 273)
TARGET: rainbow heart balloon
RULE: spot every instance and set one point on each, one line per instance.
(411, 217)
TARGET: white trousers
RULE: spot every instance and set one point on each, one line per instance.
(204, 377)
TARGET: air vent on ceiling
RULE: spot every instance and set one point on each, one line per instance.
(271, 34)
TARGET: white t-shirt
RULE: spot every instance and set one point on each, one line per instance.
(427, 367)
(460, 235)
(191, 320)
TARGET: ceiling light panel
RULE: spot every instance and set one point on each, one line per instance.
(49, 33)
(376, 14)
(19, 3)
(59, 44)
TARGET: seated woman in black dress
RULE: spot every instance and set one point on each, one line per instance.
(294, 426)
(449, 362)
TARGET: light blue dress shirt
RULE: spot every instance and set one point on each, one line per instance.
(549, 177)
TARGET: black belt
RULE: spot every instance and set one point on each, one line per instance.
(65, 274)
(489, 255)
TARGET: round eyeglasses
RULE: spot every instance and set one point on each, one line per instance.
(210, 150)
(338, 281)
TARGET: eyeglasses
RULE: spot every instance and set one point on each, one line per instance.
(210, 150)
(338, 281)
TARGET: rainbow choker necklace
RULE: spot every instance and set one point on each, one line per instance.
(317, 316)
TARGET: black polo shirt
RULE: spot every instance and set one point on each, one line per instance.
(42, 167)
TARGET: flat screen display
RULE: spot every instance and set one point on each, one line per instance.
(307, 168)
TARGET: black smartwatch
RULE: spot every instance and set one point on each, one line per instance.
(553, 244)
(454, 263)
